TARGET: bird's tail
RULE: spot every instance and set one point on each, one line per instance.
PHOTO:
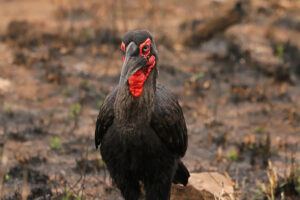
(181, 175)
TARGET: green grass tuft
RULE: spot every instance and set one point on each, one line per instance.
(66, 92)
(260, 130)
(55, 143)
(100, 102)
(7, 177)
(279, 51)
(198, 75)
(75, 110)
(8, 108)
(233, 155)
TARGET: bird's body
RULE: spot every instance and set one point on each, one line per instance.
(141, 130)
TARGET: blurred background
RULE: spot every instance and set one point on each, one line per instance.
(234, 66)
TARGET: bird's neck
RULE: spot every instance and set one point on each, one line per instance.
(134, 111)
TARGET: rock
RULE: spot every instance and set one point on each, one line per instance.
(205, 186)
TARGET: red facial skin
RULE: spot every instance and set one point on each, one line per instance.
(123, 49)
(136, 81)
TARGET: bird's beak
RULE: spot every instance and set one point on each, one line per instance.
(133, 62)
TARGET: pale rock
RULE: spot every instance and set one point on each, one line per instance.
(205, 186)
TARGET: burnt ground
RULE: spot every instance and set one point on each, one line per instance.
(239, 90)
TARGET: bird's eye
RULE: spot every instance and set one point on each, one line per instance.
(146, 49)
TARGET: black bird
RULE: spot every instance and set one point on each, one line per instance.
(140, 127)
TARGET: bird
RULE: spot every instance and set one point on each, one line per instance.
(140, 127)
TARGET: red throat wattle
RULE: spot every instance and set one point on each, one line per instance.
(137, 80)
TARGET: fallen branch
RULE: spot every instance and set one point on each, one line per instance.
(207, 29)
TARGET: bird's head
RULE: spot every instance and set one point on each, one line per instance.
(139, 60)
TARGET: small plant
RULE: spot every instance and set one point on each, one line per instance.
(7, 177)
(66, 92)
(268, 190)
(273, 179)
(233, 155)
(258, 148)
(101, 163)
(279, 51)
(85, 85)
(197, 76)
(55, 143)
(78, 197)
(100, 102)
(8, 108)
(68, 195)
(298, 186)
(276, 186)
(260, 130)
(75, 110)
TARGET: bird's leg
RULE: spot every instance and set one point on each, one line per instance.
(158, 190)
(130, 188)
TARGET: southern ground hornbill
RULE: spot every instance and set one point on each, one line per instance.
(140, 127)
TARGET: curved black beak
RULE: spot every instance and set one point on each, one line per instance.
(133, 62)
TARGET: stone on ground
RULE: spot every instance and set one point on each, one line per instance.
(205, 186)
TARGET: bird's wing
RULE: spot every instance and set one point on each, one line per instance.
(105, 117)
(168, 121)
